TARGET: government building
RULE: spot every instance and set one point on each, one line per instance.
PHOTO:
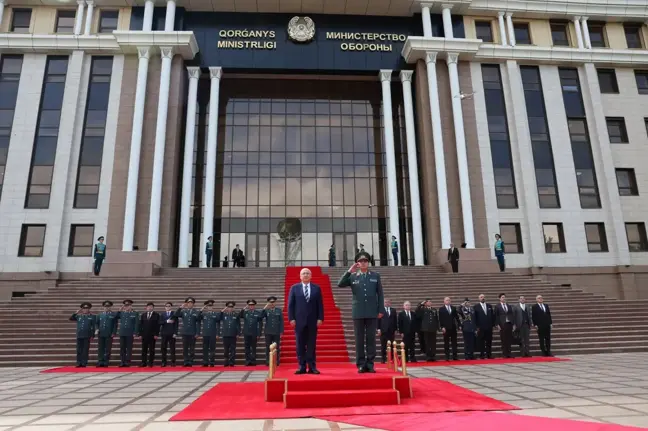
(290, 127)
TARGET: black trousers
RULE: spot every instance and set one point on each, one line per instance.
(306, 342)
(82, 351)
(125, 349)
(455, 265)
(250, 349)
(97, 265)
(544, 337)
(430, 345)
(188, 349)
(421, 340)
(395, 255)
(469, 344)
(104, 347)
(168, 342)
(229, 346)
(449, 336)
(484, 343)
(384, 337)
(410, 347)
(208, 256)
(209, 350)
(269, 339)
(365, 339)
(148, 350)
(506, 338)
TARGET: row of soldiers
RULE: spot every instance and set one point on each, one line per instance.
(206, 323)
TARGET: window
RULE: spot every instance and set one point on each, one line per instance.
(646, 124)
(597, 38)
(21, 20)
(633, 35)
(641, 78)
(559, 34)
(484, 30)
(636, 233)
(607, 80)
(10, 68)
(512, 237)
(596, 238)
(81, 240)
(108, 21)
(65, 21)
(521, 32)
(627, 182)
(617, 130)
(554, 237)
(32, 240)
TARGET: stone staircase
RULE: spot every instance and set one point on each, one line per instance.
(35, 331)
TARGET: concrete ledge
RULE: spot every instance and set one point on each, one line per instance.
(23, 282)
(471, 260)
(133, 263)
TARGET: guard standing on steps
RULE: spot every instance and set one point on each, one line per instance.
(230, 330)
(274, 327)
(429, 318)
(210, 322)
(128, 328)
(190, 330)
(106, 330)
(252, 328)
(469, 329)
(85, 331)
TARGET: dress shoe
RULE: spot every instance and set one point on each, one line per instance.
(142, 365)
(383, 362)
(300, 371)
(211, 365)
(163, 365)
(313, 371)
(150, 365)
(371, 370)
(361, 370)
(205, 365)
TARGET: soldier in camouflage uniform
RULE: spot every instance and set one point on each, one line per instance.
(230, 330)
(210, 322)
(428, 317)
(106, 329)
(274, 327)
(189, 331)
(252, 328)
(469, 329)
(85, 331)
(128, 328)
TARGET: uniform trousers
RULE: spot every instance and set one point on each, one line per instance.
(365, 339)
(97, 265)
(82, 351)
(384, 337)
(168, 342)
(450, 336)
(229, 345)
(188, 349)
(484, 343)
(421, 340)
(269, 339)
(148, 349)
(469, 344)
(209, 350)
(430, 345)
(544, 337)
(250, 349)
(104, 347)
(125, 349)
(208, 255)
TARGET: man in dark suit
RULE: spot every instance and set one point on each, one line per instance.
(453, 258)
(523, 321)
(449, 322)
(149, 329)
(407, 329)
(541, 315)
(504, 321)
(387, 326)
(305, 314)
(168, 332)
(484, 322)
(237, 257)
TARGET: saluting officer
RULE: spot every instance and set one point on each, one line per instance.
(230, 330)
(252, 328)
(274, 327)
(106, 330)
(368, 307)
(190, 330)
(468, 328)
(210, 322)
(429, 320)
(128, 328)
(85, 331)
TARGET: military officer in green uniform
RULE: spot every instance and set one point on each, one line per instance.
(106, 329)
(428, 316)
(210, 323)
(128, 328)
(252, 328)
(85, 331)
(189, 331)
(274, 327)
(230, 330)
(367, 308)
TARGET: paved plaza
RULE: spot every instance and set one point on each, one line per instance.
(610, 388)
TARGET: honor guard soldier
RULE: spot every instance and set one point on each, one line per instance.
(190, 330)
(210, 322)
(85, 331)
(252, 328)
(469, 329)
(128, 328)
(274, 327)
(168, 332)
(230, 329)
(429, 321)
(106, 330)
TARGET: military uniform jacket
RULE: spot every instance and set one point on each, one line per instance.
(428, 318)
(368, 300)
(210, 322)
(107, 323)
(85, 325)
(274, 321)
(230, 324)
(128, 323)
(252, 322)
(190, 321)
(468, 319)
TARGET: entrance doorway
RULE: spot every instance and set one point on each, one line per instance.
(258, 250)
(346, 245)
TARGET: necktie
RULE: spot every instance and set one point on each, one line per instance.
(484, 307)
(388, 312)
(542, 306)
(505, 309)
(149, 315)
(448, 308)
(306, 293)
(408, 316)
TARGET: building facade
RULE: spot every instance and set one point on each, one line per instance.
(293, 127)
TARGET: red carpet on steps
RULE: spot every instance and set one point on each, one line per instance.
(136, 369)
(331, 346)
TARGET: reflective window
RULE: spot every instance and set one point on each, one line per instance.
(596, 238)
(20, 21)
(636, 233)
(10, 68)
(65, 21)
(81, 240)
(108, 21)
(522, 35)
(627, 182)
(597, 34)
(484, 30)
(641, 78)
(607, 80)
(559, 34)
(617, 130)
(32, 240)
(633, 35)
(512, 237)
(554, 237)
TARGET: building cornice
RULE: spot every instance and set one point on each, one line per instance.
(416, 47)
(562, 55)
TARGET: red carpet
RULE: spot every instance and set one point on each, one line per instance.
(496, 361)
(331, 346)
(137, 369)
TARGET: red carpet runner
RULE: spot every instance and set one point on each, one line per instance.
(331, 346)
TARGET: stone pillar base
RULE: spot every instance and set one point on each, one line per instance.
(471, 260)
(133, 263)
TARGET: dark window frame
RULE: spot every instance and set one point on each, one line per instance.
(602, 243)
(23, 246)
(102, 27)
(564, 28)
(483, 25)
(634, 31)
(7, 108)
(642, 244)
(22, 29)
(562, 247)
(72, 244)
(641, 80)
(611, 75)
(594, 29)
(632, 189)
(518, 238)
(618, 123)
(519, 26)
(65, 13)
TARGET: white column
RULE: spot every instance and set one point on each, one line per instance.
(511, 31)
(579, 34)
(427, 20)
(412, 164)
(2, 2)
(586, 35)
(147, 25)
(187, 167)
(502, 28)
(160, 143)
(447, 21)
(439, 155)
(169, 19)
(78, 19)
(135, 150)
(392, 188)
(215, 74)
(88, 19)
(462, 159)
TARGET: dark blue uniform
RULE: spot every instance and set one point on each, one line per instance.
(252, 328)
(469, 330)
(230, 330)
(106, 330)
(85, 331)
(210, 322)
(128, 327)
